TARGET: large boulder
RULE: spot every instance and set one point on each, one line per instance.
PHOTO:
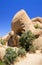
(38, 42)
(22, 23)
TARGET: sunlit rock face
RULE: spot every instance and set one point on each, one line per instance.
(22, 23)
(38, 42)
(38, 21)
(31, 59)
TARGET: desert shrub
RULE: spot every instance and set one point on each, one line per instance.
(26, 40)
(10, 56)
(2, 63)
(3, 42)
(32, 49)
(36, 26)
(21, 52)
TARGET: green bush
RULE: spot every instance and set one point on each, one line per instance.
(10, 56)
(3, 42)
(32, 49)
(26, 40)
(21, 52)
(36, 26)
(2, 63)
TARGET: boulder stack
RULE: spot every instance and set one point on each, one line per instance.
(21, 23)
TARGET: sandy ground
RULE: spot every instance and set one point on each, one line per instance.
(31, 59)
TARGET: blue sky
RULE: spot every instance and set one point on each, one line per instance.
(8, 8)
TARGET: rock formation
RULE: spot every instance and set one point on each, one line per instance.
(38, 43)
(38, 21)
(21, 22)
(10, 38)
(6, 37)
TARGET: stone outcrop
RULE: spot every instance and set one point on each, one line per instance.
(38, 21)
(22, 23)
(38, 43)
(6, 37)
(10, 38)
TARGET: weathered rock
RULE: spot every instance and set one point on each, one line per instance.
(21, 22)
(11, 39)
(38, 43)
(37, 21)
(6, 37)
(2, 52)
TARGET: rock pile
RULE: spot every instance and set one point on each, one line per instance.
(21, 23)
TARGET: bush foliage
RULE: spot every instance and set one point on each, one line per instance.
(2, 63)
(10, 56)
(37, 26)
(26, 40)
(3, 42)
(21, 52)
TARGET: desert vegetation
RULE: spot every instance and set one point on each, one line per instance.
(26, 41)
(21, 52)
(25, 44)
(22, 37)
(10, 56)
(3, 42)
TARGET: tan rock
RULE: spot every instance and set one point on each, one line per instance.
(10, 38)
(31, 59)
(2, 52)
(6, 37)
(21, 22)
(13, 40)
(38, 43)
(38, 21)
